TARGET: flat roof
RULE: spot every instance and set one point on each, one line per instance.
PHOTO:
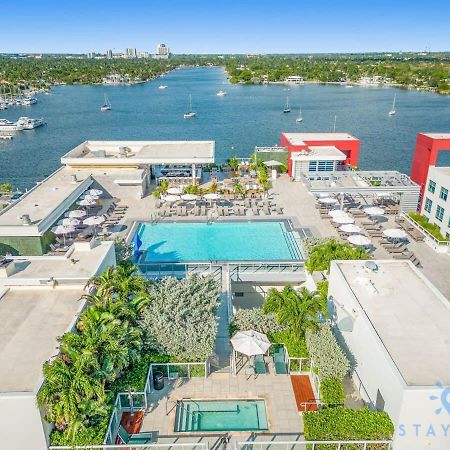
(320, 153)
(128, 153)
(443, 170)
(303, 138)
(437, 135)
(32, 320)
(409, 315)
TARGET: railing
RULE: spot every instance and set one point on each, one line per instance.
(313, 445)
(265, 267)
(179, 270)
(168, 446)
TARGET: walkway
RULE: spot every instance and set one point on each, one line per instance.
(304, 394)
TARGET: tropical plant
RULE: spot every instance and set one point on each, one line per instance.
(123, 249)
(213, 188)
(332, 392)
(164, 186)
(255, 319)
(6, 187)
(238, 189)
(233, 162)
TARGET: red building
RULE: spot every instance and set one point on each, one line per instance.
(320, 151)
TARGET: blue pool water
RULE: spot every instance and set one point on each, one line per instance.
(221, 415)
(220, 241)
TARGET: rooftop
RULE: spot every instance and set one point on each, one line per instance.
(437, 135)
(441, 170)
(32, 320)
(303, 138)
(320, 152)
(409, 315)
(129, 153)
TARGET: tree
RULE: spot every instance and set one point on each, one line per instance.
(255, 319)
(233, 162)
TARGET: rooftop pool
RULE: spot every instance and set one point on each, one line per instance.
(219, 241)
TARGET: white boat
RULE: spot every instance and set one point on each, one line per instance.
(106, 106)
(392, 111)
(299, 117)
(190, 114)
(28, 124)
(221, 94)
(27, 101)
(3, 105)
(163, 86)
(287, 109)
(6, 125)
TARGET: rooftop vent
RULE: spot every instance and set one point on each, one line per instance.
(371, 265)
(74, 179)
(26, 219)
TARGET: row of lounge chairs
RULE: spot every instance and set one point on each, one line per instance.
(115, 214)
(410, 229)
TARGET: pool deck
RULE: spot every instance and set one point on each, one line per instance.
(282, 413)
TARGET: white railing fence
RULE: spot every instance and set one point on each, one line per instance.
(168, 446)
(314, 445)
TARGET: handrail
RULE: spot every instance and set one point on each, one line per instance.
(187, 445)
(310, 444)
(423, 230)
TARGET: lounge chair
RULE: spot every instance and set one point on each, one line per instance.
(279, 209)
(241, 211)
(397, 249)
(203, 210)
(260, 365)
(136, 439)
(255, 210)
(279, 361)
(236, 210)
(225, 211)
(405, 255)
(195, 210)
(266, 210)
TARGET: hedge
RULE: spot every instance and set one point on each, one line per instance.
(432, 228)
(332, 391)
(342, 423)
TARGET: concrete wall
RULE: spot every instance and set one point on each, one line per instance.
(26, 245)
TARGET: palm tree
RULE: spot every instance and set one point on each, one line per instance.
(276, 299)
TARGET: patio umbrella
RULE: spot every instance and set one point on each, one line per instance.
(324, 194)
(87, 202)
(94, 192)
(70, 221)
(189, 197)
(63, 230)
(77, 213)
(395, 233)
(358, 239)
(250, 343)
(94, 220)
(374, 211)
(171, 198)
(343, 220)
(90, 197)
(212, 196)
(338, 213)
(272, 163)
(350, 228)
(328, 201)
(175, 191)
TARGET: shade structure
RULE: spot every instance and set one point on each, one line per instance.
(358, 239)
(62, 230)
(70, 221)
(350, 228)
(250, 343)
(374, 211)
(328, 200)
(94, 220)
(94, 192)
(343, 219)
(272, 163)
(212, 196)
(395, 233)
(175, 191)
(87, 202)
(189, 197)
(77, 213)
(171, 198)
(338, 212)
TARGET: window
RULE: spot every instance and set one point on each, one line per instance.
(321, 166)
(431, 186)
(440, 213)
(443, 194)
(428, 205)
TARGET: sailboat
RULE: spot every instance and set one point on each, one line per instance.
(287, 109)
(299, 117)
(392, 111)
(106, 106)
(190, 114)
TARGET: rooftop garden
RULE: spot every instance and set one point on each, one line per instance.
(432, 228)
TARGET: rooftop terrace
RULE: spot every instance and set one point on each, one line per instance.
(303, 138)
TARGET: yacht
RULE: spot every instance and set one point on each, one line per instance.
(28, 124)
(3, 105)
(287, 108)
(163, 86)
(299, 117)
(221, 94)
(392, 111)
(6, 125)
(190, 114)
(106, 106)
(27, 101)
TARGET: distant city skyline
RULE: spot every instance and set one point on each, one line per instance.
(202, 27)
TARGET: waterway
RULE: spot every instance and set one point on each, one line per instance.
(247, 116)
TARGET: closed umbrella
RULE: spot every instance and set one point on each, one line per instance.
(189, 197)
(175, 191)
(77, 213)
(358, 239)
(374, 211)
(395, 233)
(171, 198)
(70, 221)
(343, 220)
(328, 201)
(250, 343)
(94, 192)
(350, 228)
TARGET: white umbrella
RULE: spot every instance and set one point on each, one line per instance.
(338, 213)
(250, 343)
(171, 198)
(189, 197)
(374, 211)
(395, 233)
(324, 194)
(343, 220)
(90, 197)
(87, 202)
(272, 163)
(383, 194)
(350, 228)
(175, 191)
(62, 230)
(94, 220)
(70, 221)
(77, 213)
(358, 239)
(328, 201)
(94, 192)
(212, 196)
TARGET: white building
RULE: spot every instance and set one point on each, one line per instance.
(294, 79)
(436, 201)
(131, 53)
(162, 51)
(396, 327)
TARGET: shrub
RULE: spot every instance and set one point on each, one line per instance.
(332, 391)
(342, 423)
(254, 319)
(432, 228)
(295, 344)
(180, 320)
(328, 357)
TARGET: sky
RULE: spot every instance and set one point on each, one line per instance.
(200, 26)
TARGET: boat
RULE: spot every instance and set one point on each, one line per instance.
(299, 117)
(287, 109)
(163, 86)
(392, 111)
(190, 114)
(6, 125)
(106, 106)
(27, 101)
(28, 124)
(221, 94)
(3, 105)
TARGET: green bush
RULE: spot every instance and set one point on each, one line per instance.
(296, 345)
(93, 435)
(332, 391)
(342, 423)
(254, 319)
(432, 228)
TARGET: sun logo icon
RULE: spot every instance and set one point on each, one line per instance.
(444, 398)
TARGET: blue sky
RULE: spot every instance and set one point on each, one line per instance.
(198, 26)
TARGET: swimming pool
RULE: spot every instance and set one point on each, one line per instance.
(220, 415)
(219, 241)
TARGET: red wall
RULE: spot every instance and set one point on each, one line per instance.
(349, 147)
